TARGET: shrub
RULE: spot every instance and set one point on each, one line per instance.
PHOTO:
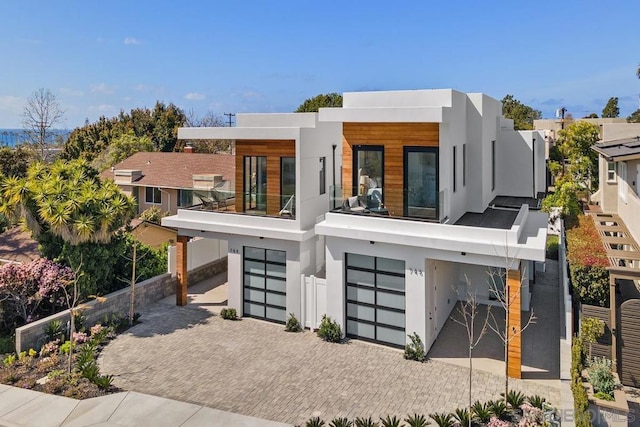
(7, 344)
(314, 422)
(65, 348)
(580, 397)
(79, 337)
(442, 419)
(481, 412)
(601, 377)
(416, 420)
(53, 330)
(536, 401)
(515, 399)
(498, 408)
(552, 247)
(462, 416)
(340, 422)
(292, 325)
(564, 197)
(52, 347)
(229, 314)
(329, 330)
(9, 360)
(389, 421)
(153, 214)
(591, 328)
(415, 349)
(365, 422)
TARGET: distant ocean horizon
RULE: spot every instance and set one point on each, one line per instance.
(13, 137)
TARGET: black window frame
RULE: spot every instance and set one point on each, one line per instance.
(284, 200)
(455, 168)
(354, 153)
(464, 165)
(154, 191)
(266, 276)
(493, 165)
(323, 175)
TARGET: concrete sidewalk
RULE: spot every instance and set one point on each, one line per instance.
(19, 407)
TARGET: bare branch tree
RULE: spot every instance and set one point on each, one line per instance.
(41, 114)
(209, 119)
(72, 297)
(469, 310)
(498, 286)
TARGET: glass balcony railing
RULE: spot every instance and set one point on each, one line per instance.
(259, 204)
(414, 203)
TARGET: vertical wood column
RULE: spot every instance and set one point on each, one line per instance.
(613, 322)
(181, 268)
(514, 324)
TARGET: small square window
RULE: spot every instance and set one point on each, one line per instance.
(611, 171)
(153, 195)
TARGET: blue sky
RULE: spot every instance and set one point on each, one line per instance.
(259, 56)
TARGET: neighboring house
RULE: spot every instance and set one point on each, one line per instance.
(399, 197)
(174, 180)
(619, 174)
(17, 246)
(152, 234)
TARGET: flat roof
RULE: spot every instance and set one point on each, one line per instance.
(490, 218)
(517, 202)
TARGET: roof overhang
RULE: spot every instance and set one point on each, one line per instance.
(252, 133)
(383, 115)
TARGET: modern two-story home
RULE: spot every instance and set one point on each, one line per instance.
(401, 200)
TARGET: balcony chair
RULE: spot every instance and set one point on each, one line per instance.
(287, 209)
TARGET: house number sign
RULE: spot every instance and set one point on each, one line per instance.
(416, 272)
(234, 251)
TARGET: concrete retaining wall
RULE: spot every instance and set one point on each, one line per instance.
(148, 292)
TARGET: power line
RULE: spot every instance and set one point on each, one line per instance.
(230, 115)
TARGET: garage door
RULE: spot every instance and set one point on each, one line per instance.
(265, 284)
(375, 289)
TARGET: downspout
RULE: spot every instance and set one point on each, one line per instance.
(168, 199)
(333, 171)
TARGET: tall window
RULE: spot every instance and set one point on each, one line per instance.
(455, 161)
(611, 171)
(255, 184)
(493, 165)
(464, 164)
(368, 169)
(185, 198)
(421, 198)
(287, 181)
(323, 176)
(153, 195)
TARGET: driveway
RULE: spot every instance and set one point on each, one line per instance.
(254, 368)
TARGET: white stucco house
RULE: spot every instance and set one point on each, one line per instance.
(397, 199)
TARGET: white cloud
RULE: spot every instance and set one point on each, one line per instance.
(141, 87)
(102, 108)
(71, 92)
(251, 94)
(101, 88)
(131, 40)
(194, 96)
(11, 103)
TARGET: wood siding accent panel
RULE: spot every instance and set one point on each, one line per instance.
(514, 323)
(393, 137)
(630, 343)
(181, 270)
(273, 150)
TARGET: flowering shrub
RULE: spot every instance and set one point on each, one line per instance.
(80, 337)
(24, 288)
(531, 416)
(587, 263)
(50, 348)
(497, 422)
(96, 329)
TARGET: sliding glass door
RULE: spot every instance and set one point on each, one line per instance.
(368, 172)
(421, 182)
(255, 184)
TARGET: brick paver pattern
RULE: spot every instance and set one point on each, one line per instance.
(256, 368)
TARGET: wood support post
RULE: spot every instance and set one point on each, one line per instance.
(181, 268)
(613, 322)
(514, 323)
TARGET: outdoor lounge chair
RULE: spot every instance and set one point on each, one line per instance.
(287, 209)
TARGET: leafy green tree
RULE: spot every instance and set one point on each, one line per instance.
(611, 110)
(312, 105)
(67, 208)
(14, 162)
(121, 148)
(574, 147)
(634, 117)
(591, 116)
(521, 114)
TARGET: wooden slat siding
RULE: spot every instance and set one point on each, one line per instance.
(273, 150)
(630, 343)
(514, 350)
(181, 270)
(393, 136)
(602, 348)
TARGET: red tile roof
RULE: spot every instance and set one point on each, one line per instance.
(18, 246)
(175, 170)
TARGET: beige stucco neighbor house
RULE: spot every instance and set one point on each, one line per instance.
(173, 180)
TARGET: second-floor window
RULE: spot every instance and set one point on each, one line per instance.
(323, 176)
(153, 195)
(611, 171)
(455, 167)
(185, 198)
(464, 164)
(287, 181)
(493, 165)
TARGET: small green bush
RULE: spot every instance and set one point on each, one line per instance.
(481, 412)
(515, 399)
(340, 422)
(601, 377)
(415, 349)
(53, 330)
(580, 396)
(292, 325)
(314, 422)
(462, 416)
(442, 419)
(365, 422)
(329, 330)
(7, 344)
(498, 408)
(66, 347)
(552, 247)
(229, 314)
(536, 401)
(389, 421)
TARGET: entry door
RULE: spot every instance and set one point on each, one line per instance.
(265, 284)
(375, 299)
(421, 182)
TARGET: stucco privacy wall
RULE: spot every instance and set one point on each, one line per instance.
(200, 252)
(146, 293)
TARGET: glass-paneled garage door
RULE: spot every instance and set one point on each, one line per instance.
(265, 284)
(375, 299)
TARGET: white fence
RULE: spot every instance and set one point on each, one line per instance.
(314, 301)
(200, 251)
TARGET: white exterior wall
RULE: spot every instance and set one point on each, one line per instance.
(515, 173)
(399, 99)
(445, 292)
(608, 190)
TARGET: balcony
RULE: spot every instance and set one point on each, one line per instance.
(250, 204)
(417, 204)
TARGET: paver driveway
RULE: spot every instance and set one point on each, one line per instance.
(255, 368)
